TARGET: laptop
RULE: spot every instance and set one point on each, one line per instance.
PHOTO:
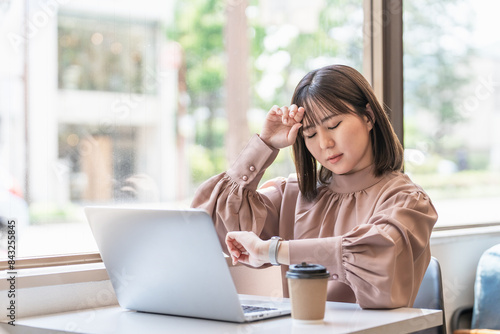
(171, 262)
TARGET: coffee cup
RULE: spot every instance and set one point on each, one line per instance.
(307, 285)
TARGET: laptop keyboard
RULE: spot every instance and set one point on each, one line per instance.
(250, 309)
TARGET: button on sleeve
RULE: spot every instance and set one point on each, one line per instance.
(256, 154)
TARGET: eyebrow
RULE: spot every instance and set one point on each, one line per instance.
(322, 121)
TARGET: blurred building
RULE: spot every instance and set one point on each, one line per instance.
(88, 99)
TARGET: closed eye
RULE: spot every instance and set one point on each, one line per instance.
(329, 128)
(310, 136)
(334, 127)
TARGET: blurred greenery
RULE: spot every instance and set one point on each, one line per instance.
(199, 28)
(468, 184)
(50, 213)
(435, 70)
(206, 162)
(437, 65)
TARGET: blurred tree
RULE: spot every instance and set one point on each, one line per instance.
(437, 53)
(199, 27)
(332, 34)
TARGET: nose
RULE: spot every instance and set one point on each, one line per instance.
(325, 139)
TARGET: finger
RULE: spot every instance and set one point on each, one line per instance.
(274, 110)
(278, 110)
(240, 249)
(234, 252)
(286, 110)
(292, 134)
(285, 116)
(245, 259)
(274, 114)
(299, 115)
(230, 243)
(293, 111)
(234, 255)
(234, 247)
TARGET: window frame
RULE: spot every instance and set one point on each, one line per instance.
(52, 261)
(383, 56)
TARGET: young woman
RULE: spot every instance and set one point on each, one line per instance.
(349, 207)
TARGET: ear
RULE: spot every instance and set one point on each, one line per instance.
(371, 116)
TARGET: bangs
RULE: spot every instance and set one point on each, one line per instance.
(318, 107)
(339, 90)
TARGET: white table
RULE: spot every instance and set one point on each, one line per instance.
(339, 318)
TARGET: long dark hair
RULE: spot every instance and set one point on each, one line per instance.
(337, 89)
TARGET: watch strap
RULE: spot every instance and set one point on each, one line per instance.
(273, 250)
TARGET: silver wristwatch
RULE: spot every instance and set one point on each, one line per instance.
(273, 250)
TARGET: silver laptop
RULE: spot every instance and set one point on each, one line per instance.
(171, 262)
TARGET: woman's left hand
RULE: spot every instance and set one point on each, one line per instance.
(247, 248)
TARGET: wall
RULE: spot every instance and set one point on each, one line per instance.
(458, 252)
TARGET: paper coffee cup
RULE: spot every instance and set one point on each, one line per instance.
(307, 284)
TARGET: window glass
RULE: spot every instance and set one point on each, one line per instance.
(105, 54)
(107, 104)
(452, 103)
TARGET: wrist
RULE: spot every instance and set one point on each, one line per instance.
(284, 253)
(266, 141)
(264, 251)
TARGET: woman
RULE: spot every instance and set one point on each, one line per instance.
(357, 214)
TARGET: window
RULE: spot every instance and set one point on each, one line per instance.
(108, 55)
(107, 104)
(452, 107)
(102, 104)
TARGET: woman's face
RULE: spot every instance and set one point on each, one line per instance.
(341, 143)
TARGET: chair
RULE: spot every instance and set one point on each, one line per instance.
(430, 295)
(484, 315)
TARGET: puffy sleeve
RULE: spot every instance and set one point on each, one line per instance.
(232, 199)
(383, 260)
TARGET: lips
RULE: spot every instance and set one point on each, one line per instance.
(334, 158)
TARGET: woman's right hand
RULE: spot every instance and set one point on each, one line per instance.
(282, 126)
(247, 248)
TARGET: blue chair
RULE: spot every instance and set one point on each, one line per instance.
(430, 295)
(486, 309)
(485, 313)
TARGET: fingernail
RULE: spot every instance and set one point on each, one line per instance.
(291, 114)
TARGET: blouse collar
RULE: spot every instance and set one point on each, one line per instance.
(358, 181)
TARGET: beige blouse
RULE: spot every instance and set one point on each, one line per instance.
(371, 233)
